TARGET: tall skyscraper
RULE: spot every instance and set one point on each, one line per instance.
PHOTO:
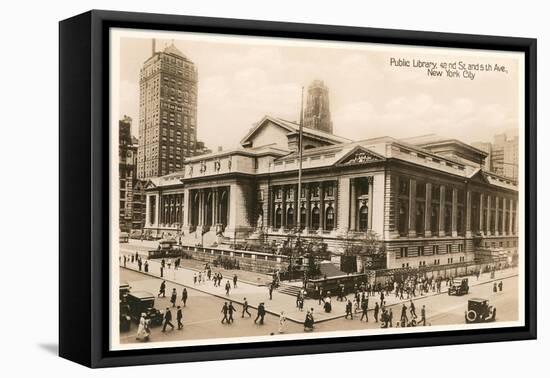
(317, 112)
(167, 112)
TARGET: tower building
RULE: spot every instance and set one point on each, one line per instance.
(317, 112)
(167, 112)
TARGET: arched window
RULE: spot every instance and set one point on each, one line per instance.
(329, 221)
(303, 217)
(278, 218)
(315, 218)
(363, 218)
(290, 217)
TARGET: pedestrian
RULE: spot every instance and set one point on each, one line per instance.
(184, 296)
(143, 331)
(173, 297)
(423, 315)
(412, 309)
(376, 310)
(349, 310)
(169, 263)
(146, 266)
(179, 318)
(500, 286)
(282, 321)
(308, 322)
(390, 316)
(230, 310)
(161, 271)
(200, 277)
(381, 298)
(261, 313)
(125, 261)
(235, 281)
(271, 291)
(227, 287)
(301, 303)
(162, 289)
(194, 278)
(245, 308)
(163, 263)
(495, 287)
(224, 311)
(404, 319)
(364, 309)
(167, 319)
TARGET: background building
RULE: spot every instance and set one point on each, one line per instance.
(127, 173)
(317, 112)
(167, 112)
(131, 189)
(503, 158)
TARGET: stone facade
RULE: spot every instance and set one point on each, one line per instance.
(426, 208)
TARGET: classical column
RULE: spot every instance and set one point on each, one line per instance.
(214, 206)
(271, 208)
(488, 216)
(322, 206)
(428, 211)
(157, 210)
(201, 207)
(454, 213)
(468, 214)
(185, 210)
(504, 227)
(510, 225)
(412, 208)
(371, 201)
(515, 226)
(481, 228)
(147, 209)
(442, 210)
(497, 216)
(296, 206)
(353, 206)
(283, 212)
(335, 192)
(308, 207)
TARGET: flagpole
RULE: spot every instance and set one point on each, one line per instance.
(300, 152)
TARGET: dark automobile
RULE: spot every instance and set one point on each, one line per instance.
(124, 289)
(166, 248)
(459, 286)
(480, 311)
(142, 302)
(124, 313)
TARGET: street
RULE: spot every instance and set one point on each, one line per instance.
(202, 315)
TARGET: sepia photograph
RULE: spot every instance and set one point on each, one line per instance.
(266, 189)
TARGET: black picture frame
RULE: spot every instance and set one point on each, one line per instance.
(84, 195)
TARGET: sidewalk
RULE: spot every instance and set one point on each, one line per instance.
(252, 278)
(282, 302)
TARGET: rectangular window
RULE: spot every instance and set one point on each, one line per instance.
(449, 248)
(403, 252)
(421, 251)
(435, 249)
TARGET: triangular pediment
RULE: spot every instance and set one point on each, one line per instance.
(359, 155)
(150, 184)
(479, 176)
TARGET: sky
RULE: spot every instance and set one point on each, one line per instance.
(241, 79)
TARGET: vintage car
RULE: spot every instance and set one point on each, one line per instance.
(459, 286)
(123, 237)
(166, 248)
(142, 302)
(124, 289)
(480, 311)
